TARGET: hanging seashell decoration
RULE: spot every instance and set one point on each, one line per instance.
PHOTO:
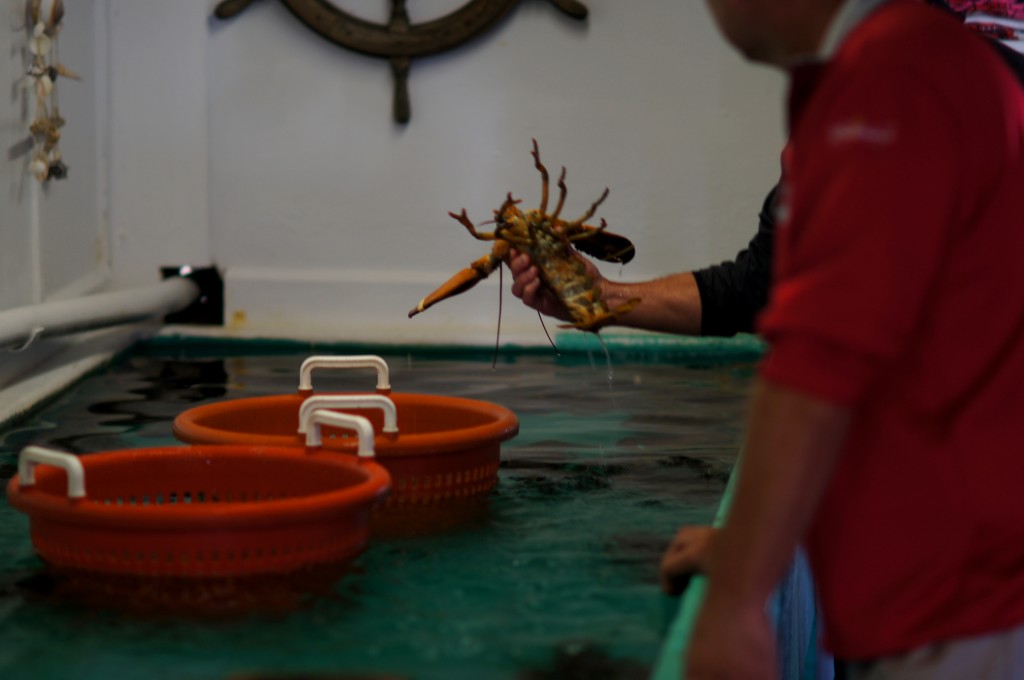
(45, 23)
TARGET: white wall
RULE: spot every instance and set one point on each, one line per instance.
(256, 145)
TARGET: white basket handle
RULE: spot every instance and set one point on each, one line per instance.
(361, 361)
(327, 417)
(344, 401)
(31, 456)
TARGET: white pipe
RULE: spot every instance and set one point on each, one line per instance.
(21, 326)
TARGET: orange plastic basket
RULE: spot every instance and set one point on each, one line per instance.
(203, 511)
(444, 449)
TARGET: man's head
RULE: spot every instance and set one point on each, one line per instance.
(774, 31)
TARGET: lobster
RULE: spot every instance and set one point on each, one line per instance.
(546, 239)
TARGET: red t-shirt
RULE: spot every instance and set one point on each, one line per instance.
(899, 292)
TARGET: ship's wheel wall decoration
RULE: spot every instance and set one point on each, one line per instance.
(399, 40)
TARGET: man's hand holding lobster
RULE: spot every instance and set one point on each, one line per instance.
(528, 286)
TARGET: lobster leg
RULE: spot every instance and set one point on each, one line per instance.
(464, 279)
(543, 177)
(585, 231)
(587, 215)
(464, 220)
(562, 191)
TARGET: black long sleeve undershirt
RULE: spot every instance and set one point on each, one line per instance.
(733, 293)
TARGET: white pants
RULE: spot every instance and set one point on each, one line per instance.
(999, 656)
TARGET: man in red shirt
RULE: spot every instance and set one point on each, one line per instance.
(886, 427)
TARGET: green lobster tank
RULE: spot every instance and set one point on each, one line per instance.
(556, 577)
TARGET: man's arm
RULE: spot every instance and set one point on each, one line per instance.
(793, 443)
(670, 304)
(733, 293)
(723, 299)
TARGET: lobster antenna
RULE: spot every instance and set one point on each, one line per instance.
(553, 346)
(497, 336)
